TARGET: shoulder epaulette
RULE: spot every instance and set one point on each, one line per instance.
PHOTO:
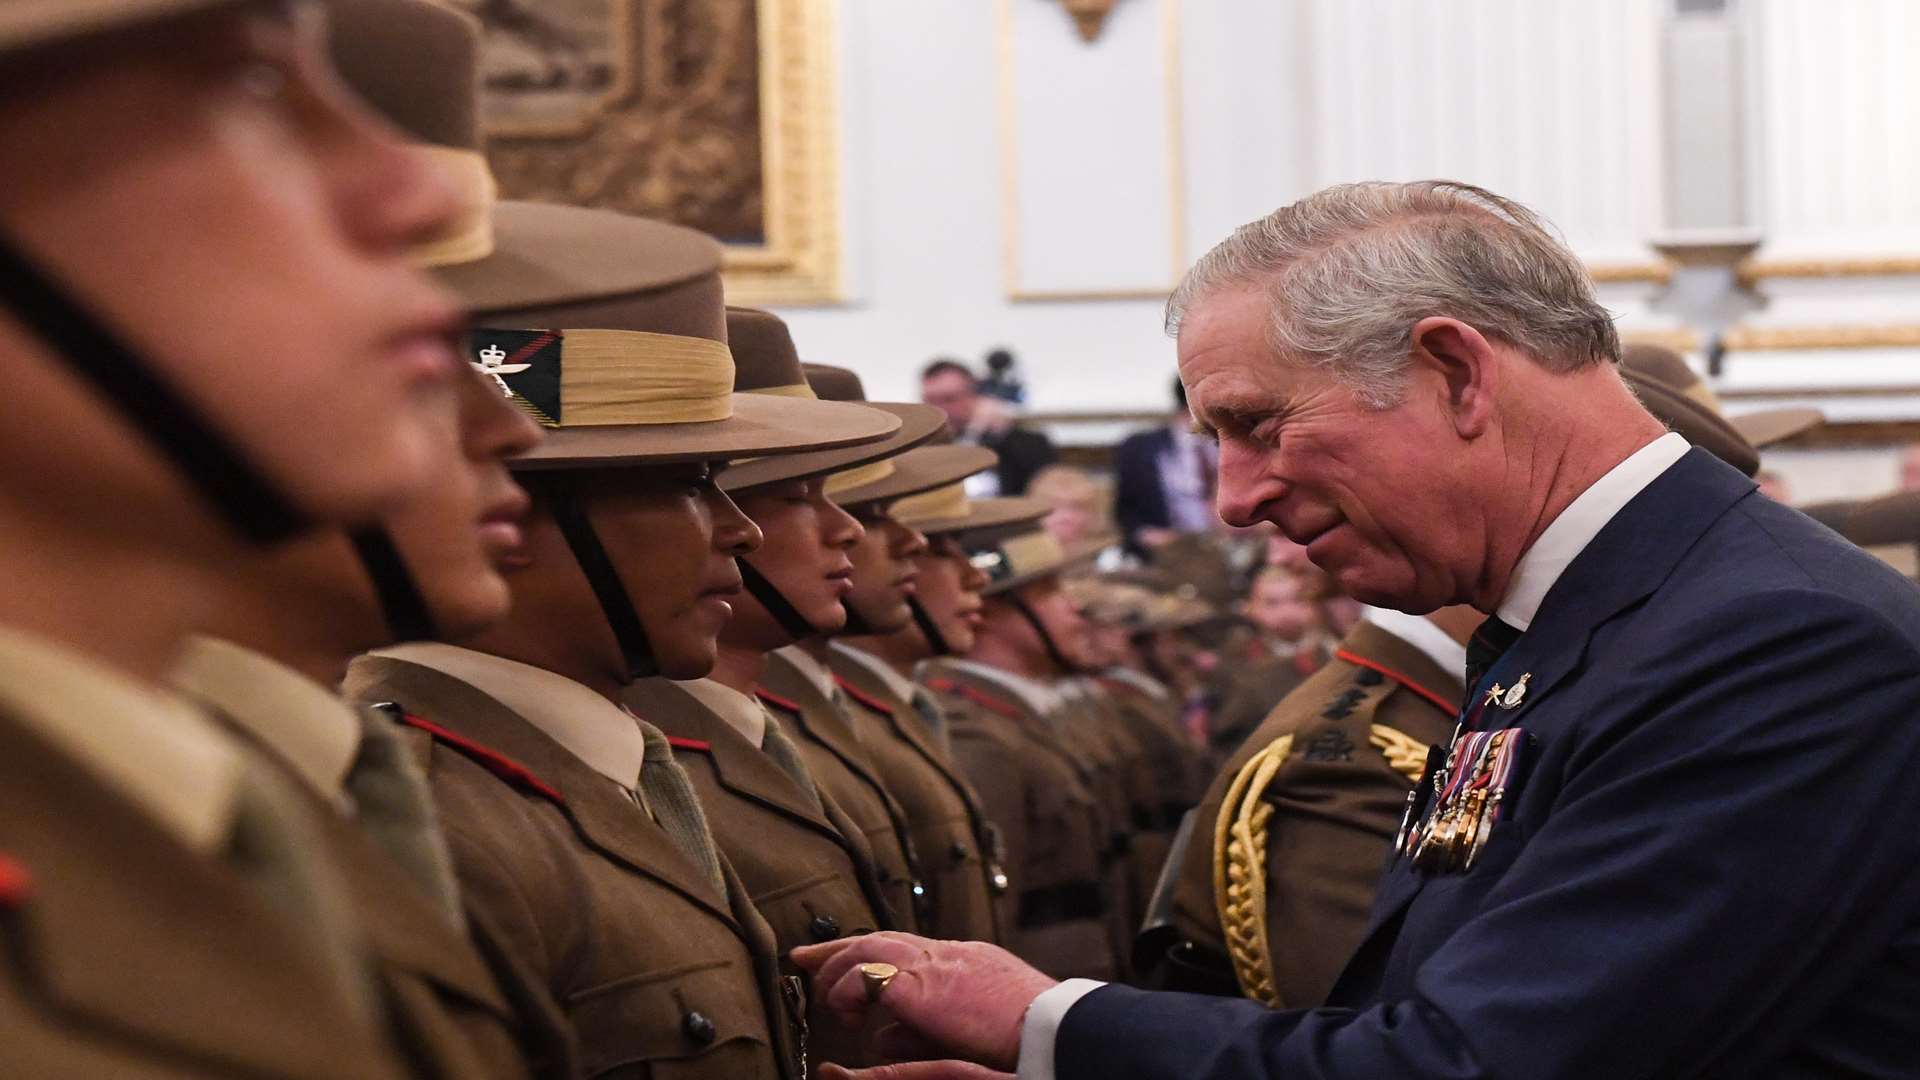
(777, 701)
(1432, 697)
(981, 698)
(679, 742)
(16, 882)
(492, 760)
(863, 697)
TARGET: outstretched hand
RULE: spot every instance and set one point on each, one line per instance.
(964, 997)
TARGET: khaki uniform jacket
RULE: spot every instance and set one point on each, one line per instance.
(805, 868)
(1039, 790)
(960, 850)
(845, 771)
(1337, 802)
(126, 951)
(658, 974)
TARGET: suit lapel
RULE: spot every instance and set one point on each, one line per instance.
(604, 816)
(1626, 562)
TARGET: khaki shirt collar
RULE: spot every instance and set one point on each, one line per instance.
(742, 713)
(815, 671)
(307, 725)
(1141, 681)
(902, 687)
(1040, 698)
(600, 733)
(161, 753)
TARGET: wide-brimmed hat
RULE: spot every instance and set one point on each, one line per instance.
(920, 469)
(610, 330)
(1660, 371)
(1887, 526)
(947, 509)
(1012, 557)
(753, 330)
(26, 24)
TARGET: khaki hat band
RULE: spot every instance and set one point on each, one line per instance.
(1017, 555)
(470, 237)
(608, 378)
(799, 390)
(873, 472)
(940, 504)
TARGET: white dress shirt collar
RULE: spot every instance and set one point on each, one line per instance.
(1421, 633)
(603, 735)
(741, 713)
(1570, 533)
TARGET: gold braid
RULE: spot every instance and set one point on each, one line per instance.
(1240, 854)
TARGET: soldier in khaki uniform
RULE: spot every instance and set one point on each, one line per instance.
(190, 218)
(575, 831)
(1065, 833)
(901, 724)
(811, 867)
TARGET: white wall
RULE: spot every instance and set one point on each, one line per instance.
(1007, 184)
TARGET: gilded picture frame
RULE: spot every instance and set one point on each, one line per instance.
(719, 114)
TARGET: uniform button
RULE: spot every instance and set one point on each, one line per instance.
(824, 927)
(958, 851)
(885, 875)
(698, 1027)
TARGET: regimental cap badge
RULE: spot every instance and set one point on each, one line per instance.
(1516, 693)
(525, 365)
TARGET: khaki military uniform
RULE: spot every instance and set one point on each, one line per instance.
(161, 906)
(1092, 723)
(1165, 777)
(1346, 748)
(960, 850)
(660, 969)
(1246, 693)
(1059, 837)
(803, 862)
(438, 991)
(844, 770)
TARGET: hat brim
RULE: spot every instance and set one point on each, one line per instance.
(983, 514)
(1769, 426)
(546, 255)
(1694, 422)
(30, 23)
(915, 425)
(761, 424)
(1074, 555)
(922, 468)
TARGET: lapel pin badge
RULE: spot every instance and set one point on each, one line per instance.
(1516, 693)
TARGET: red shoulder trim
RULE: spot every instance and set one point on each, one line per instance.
(1436, 700)
(984, 700)
(679, 743)
(777, 701)
(493, 761)
(16, 882)
(863, 697)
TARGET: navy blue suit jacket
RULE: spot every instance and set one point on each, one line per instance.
(1139, 497)
(1711, 866)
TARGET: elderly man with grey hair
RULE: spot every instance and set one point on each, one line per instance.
(1675, 833)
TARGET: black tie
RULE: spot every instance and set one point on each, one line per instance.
(1485, 647)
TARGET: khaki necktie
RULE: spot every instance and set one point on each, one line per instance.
(667, 793)
(393, 806)
(273, 846)
(787, 756)
(931, 715)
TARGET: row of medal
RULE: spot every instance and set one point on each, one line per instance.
(1470, 786)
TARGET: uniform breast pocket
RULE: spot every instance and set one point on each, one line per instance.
(698, 1019)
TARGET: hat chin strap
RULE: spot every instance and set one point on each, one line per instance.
(1067, 666)
(243, 496)
(401, 602)
(936, 641)
(777, 605)
(636, 652)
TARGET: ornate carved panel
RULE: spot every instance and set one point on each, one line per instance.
(717, 114)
